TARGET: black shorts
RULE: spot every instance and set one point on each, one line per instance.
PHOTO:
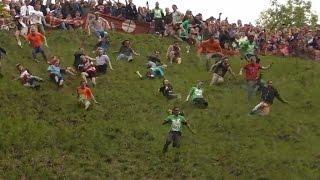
(174, 138)
(102, 68)
(91, 74)
(200, 102)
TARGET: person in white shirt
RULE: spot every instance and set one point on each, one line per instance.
(101, 61)
(26, 9)
(37, 19)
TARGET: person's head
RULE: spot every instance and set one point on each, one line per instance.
(251, 38)
(83, 84)
(174, 7)
(96, 15)
(156, 53)
(175, 111)
(167, 10)
(56, 63)
(19, 67)
(253, 59)
(166, 82)
(37, 7)
(164, 66)
(175, 43)
(130, 1)
(100, 2)
(27, 2)
(100, 51)
(200, 84)
(157, 4)
(269, 83)
(78, 14)
(126, 43)
(33, 30)
(81, 50)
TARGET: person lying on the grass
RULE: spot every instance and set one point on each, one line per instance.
(88, 70)
(2, 52)
(219, 70)
(126, 52)
(174, 135)
(174, 53)
(153, 72)
(85, 95)
(55, 73)
(268, 93)
(154, 60)
(26, 78)
(54, 59)
(167, 90)
(196, 94)
(101, 61)
(36, 40)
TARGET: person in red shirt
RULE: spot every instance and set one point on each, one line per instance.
(36, 40)
(252, 70)
(85, 95)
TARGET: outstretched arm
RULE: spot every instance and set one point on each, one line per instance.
(231, 72)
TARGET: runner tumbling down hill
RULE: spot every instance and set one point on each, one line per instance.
(268, 93)
(196, 94)
(85, 95)
(174, 136)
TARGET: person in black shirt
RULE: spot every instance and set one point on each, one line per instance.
(77, 58)
(167, 90)
(268, 93)
(219, 69)
(131, 11)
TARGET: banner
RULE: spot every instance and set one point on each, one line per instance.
(128, 26)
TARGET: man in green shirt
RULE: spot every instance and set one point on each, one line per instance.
(196, 94)
(176, 121)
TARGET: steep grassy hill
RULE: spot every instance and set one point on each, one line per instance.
(45, 134)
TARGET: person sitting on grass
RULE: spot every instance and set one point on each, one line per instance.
(196, 94)
(2, 51)
(174, 136)
(153, 72)
(268, 93)
(85, 95)
(54, 59)
(167, 90)
(101, 61)
(55, 73)
(126, 52)
(26, 79)
(174, 53)
(88, 70)
(219, 70)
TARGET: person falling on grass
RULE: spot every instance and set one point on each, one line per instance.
(196, 94)
(27, 79)
(85, 95)
(153, 72)
(126, 52)
(167, 90)
(36, 40)
(55, 59)
(219, 70)
(174, 135)
(268, 93)
(55, 74)
(2, 52)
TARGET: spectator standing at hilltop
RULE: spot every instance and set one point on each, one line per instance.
(158, 16)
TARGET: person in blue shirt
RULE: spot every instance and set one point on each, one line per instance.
(55, 73)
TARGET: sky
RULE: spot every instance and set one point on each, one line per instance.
(246, 10)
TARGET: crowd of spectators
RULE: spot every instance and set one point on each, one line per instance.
(185, 26)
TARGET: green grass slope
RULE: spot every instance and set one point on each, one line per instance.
(45, 134)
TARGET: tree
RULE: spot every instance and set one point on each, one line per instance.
(3, 13)
(296, 13)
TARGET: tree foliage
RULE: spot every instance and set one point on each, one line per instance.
(292, 13)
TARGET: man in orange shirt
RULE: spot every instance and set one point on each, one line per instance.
(85, 95)
(210, 47)
(36, 39)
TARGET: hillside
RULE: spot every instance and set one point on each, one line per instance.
(45, 134)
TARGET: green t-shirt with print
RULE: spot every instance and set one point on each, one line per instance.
(196, 93)
(176, 122)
